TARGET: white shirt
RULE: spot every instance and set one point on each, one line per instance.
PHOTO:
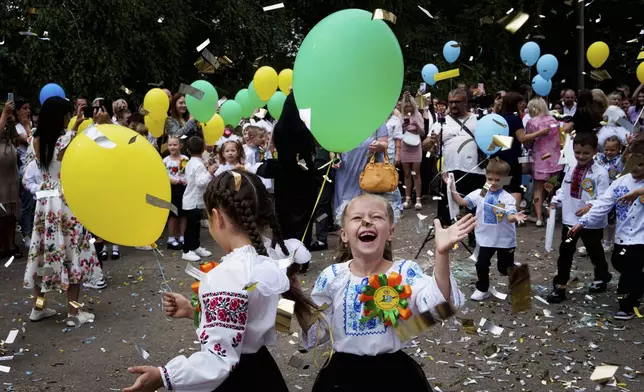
(251, 160)
(525, 119)
(228, 167)
(197, 179)
(600, 182)
(453, 137)
(233, 320)
(395, 132)
(630, 219)
(571, 111)
(32, 178)
(493, 229)
(339, 288)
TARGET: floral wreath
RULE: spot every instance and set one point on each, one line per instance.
(194, 300)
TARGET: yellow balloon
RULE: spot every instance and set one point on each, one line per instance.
(640, 72)
(213, 129)
(83, 126)
(286, 80)
(105, 182)
(597, 54)
(156, 125)
(265, 82)
(156, 102)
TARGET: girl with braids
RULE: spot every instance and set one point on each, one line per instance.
(365, 349)
(236, 323)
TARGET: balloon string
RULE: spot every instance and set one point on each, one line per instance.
(164, 286)
(469, 171)
(325, 179)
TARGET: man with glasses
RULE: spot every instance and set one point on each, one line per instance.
(455, 141)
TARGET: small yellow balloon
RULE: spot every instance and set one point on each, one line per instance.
(286, 80)
(640, 72)
(156, 102)
(118, 213)
(597, 54)
(213, 129)
(83, 126)
(156, 125)
(265, 82)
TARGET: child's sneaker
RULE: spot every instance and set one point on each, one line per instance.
(478, 295)
(582, 251)
(621, 315)
(557, 296)
(37, 315)
(599, 286)
(190, 256)
(608, 246)
(202, 252)
(96, 284)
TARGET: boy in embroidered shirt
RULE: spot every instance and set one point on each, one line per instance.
(626, 195)
(197, 178)
(584, 181)
(611, 160)
(254, 152)
(496, 215)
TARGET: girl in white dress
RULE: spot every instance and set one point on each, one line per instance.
(236, 322)
(367, 353)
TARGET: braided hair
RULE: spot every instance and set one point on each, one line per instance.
(251, 210)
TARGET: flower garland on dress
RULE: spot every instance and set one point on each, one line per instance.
(194, 300)
(384, 297)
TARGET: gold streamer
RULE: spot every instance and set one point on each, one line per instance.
(317, 316)
(238, 180)
(452, 73)
(157, 202)
(384, 15)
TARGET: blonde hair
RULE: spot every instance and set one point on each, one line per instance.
(537, 107)
(498, 167)
(254, 130)
(600, 99)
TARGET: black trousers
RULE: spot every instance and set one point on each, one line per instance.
(628, 260)
(193, 229)
(592, 239)
(255, 372)
(505, 260)
(468, 183)
(384, 372)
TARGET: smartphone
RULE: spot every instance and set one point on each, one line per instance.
(88, 112)
(408, 89)
(10, 97)
(423, 87)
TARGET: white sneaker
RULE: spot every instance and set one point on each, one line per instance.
(407, 204)
(79, 319)
(480, 295)
(37, 315)
(96, 284)
(418, 206)
(608, 246)
(539, 223)
(190, 256)
(582, 251)
(203, 252)
(147, 247)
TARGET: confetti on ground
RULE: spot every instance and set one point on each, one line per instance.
(274, 7)
(13, 334)
(8, 263)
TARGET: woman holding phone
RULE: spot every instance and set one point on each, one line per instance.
(411, 151)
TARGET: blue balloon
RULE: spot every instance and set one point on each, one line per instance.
(530, 52)
(428, 73)
(51, 90)
(547, 66)
(487, 127)
(451, 51)
(541, 86)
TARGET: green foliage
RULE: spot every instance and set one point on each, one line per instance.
(97, 46)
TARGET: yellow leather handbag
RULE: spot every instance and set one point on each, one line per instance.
(379, 177)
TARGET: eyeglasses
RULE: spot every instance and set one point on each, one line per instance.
(456, 102)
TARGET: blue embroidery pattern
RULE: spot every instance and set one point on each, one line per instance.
(621, 211)
(353, 313)
(489, 215)
(413, 273)
(321, 282)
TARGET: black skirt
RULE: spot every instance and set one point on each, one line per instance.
(176, 192)
(255, 372)
(349, 372)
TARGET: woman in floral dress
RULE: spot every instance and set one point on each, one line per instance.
(61, 255)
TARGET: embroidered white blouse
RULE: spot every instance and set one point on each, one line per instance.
(233, 320)
(339, 288)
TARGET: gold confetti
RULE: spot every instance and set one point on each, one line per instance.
(515, 24)
(599, 75)
(641, 55)
(452, 73)
(546, 156)
(384, 15)
(76, 305)
(157, 202)
(132, 140)
(126, 90)
(186, 89)
(285, 310)
(520, 289)
(41, 303)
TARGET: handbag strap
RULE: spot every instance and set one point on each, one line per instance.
(372, 159)
(463, 126)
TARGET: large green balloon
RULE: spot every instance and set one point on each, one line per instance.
(242, 99)
(276, 104)
(255, 101)
(349, 72)
(203, 109)
(231, 112)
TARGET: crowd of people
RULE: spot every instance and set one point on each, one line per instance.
(269, 194)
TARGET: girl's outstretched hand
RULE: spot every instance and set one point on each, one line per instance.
(446, 238)
(177, 306)
(149, 379)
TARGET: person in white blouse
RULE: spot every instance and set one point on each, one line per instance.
(367, 232)
(626, 195)
(236, 321)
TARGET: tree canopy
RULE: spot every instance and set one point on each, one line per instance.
(96, 47)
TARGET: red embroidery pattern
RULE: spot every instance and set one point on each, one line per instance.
(237, 339)
(218, 350)
(203, 338)
(166, 376)
(225, 309)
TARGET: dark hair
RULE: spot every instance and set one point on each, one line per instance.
(586, 139)
(87, 100)
(20, 102)
(195, 145)
(240, 151)
(613, 139)
(637, 146)
(497, 166)
(174, 113)
(51, 126)
(510, 104)
(638, 107)
(343, 252)
(251, 211)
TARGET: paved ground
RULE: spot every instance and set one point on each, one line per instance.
(549, 348)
